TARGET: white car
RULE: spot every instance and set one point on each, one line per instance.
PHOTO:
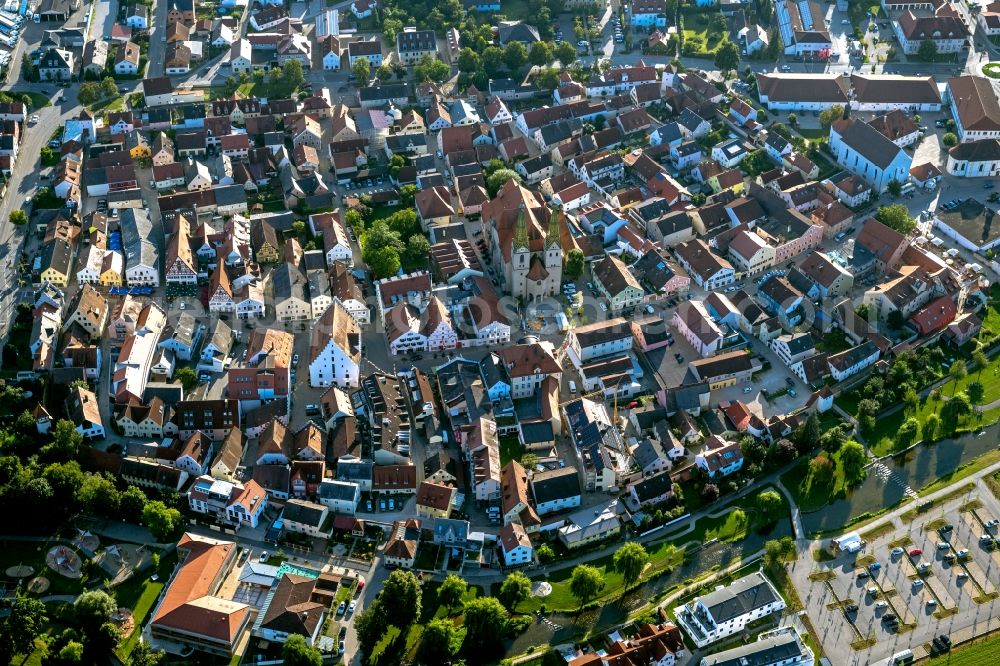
(351, 607)
(604, 307)
(34, 118)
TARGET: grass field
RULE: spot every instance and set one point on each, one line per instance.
(883, 441)
(32, 553)
(140, 594)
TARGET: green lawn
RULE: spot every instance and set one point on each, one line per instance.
(140, 594)
(697, 29)
(510, 449)
(813, 134)
(38, 100)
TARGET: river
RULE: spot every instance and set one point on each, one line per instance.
(898, 477)
(559, 628)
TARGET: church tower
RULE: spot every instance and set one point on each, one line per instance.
(554, 251)
(520, 255)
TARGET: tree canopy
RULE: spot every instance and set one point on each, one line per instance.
(516, 588)
(896, 216)
(585, 583)
(629, 561)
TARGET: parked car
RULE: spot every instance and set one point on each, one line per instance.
(916, 552)
(341, 608)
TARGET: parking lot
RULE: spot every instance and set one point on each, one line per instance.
(937, 575)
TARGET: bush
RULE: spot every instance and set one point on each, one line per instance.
(949, 139)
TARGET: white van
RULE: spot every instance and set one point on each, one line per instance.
(572, 386)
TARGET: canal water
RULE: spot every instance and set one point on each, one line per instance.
(555, 628)
(895, 478)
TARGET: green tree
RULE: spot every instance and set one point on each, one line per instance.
(371, 625)
(894, 188)
(547, 78)
(629, 561)
(565, 53)
(492, 60)
(514, 56)
(354, 220)
(545, 553)
(131, 503)
(574, 264)
(438, 643)
(71, 653)
(773, 553)
(390, 28)
(66, 441)
(469, 61)
(90, 93)
(20, 627)
(853, 459)
(188, 378)
(431, 69)
(485, 623)
(383, 72)
(896, 216)
(499, 178)
(821, 471)
(297, 652)
(585, 583)
(756, 162)
(949, 139)
(827, 116)
(407, 194)
(384, 261)
(727, 58)
(770, 504)
(291, 78)
(403, 588)
(895, 320)
(418, 249)
(93, 608)
(975, 392)
(958, 370)
(163, 522)
(451, 591)
(361, 69)
(540, 54)
(927, 51)
(143, 655)
(807, 436)
(793, 119)
(49, 157)
(979, 360)
(18, 217)
(516, 588)
(109, 87)
(932, 423)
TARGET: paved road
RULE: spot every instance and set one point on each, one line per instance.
(24, 180)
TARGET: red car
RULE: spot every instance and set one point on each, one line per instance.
(916, 552)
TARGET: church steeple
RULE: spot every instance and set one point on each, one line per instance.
(552, 235)
(521, 231)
